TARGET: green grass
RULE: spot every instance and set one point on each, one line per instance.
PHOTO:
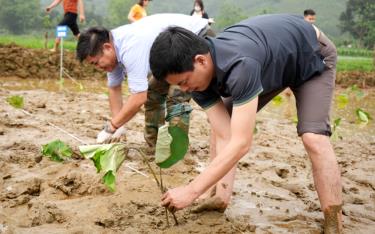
(354, 52)
(347, 63)
(35, 42)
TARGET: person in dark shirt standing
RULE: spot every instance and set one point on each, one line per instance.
(233, 76)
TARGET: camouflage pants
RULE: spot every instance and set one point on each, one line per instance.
(160, 97)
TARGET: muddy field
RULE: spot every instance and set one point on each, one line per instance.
(274, 191)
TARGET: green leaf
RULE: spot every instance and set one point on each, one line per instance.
(163, 145)
(357, 91)
(110, 181)
(179, 146)
(295, 119)
(277, 100)
(15, 101)
(335, 135)
(362, 115)
(342, 100)
(57, 151)
(107, 158)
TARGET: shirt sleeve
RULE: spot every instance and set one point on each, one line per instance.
(116, 77)
(244, 81)
(207, 98)
(137, 68)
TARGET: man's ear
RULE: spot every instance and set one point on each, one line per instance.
(107, 46)
(201, 59)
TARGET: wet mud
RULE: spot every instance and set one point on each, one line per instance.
(274, 190)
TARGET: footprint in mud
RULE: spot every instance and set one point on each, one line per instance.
(21, 192)
(23, 154)
(72, 183)
(209, 204)
(282, 172)
(40, 214)
(135, 214)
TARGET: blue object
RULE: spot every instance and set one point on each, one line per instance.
(61, 31)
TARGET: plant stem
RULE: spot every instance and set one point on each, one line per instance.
(148, 165)
(160, 185)
(163, 190)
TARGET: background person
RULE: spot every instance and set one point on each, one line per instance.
(124, 51)
(199, 11)
(309, 15)
(248, 64)
(138, 11)
(71, 8)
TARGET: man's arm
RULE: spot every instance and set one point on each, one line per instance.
(240, 135)
(131, 14)
(115, 99)
(131, 17)
(132, 105)
(81, 9)
(52, 5)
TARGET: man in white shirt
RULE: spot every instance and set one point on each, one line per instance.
(124, 51)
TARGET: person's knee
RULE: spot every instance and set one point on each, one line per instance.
(315, 143)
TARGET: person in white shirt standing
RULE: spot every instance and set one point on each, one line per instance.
(124, 51)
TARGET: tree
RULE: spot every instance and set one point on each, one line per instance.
(359, 20)
(19, 16)
(229, 14)
(118, 12)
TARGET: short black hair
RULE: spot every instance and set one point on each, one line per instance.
(308, 12)
(173, 52)
(90, 42)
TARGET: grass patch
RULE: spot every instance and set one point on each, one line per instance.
(354, 52)
(36, 42)
(347, 63)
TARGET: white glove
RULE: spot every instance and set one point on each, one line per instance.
(119, 135)
(107, 136)
(103, 136)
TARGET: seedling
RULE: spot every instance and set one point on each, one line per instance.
(107, 158)
(362, 116)
(15, 101)
(359, 94)
(344, 97)
(277, 100)
(57, 151)
(335, 135)
(342, 100)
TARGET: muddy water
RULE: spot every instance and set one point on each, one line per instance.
(274, 190)
(54, 85)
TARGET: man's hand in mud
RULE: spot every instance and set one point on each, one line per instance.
(111, 135)
(118, 136)
(178, 198)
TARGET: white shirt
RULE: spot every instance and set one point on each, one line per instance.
(133, 42)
